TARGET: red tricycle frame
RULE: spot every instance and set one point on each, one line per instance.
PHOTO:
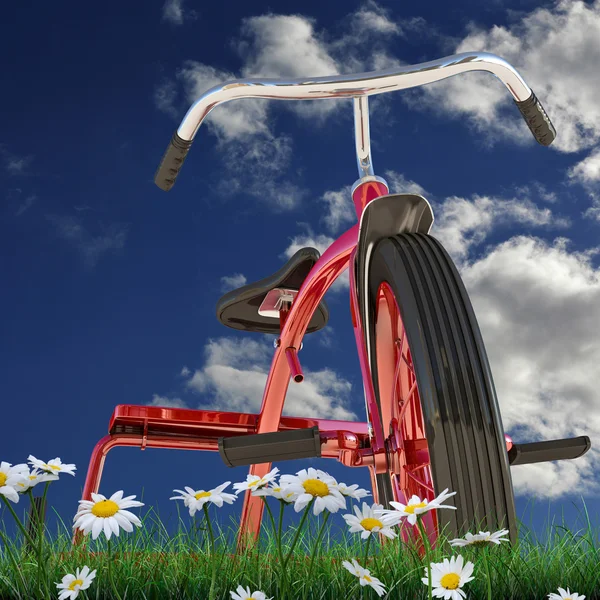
(352, 443)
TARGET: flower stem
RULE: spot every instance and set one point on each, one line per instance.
(279, 550)
(110, 577)
(426, 544)
(306, 511)
(316, 548)
(41, 532)
(212, 553)
(366, 551)
(487, 570)
(282, 505)
(19, 524)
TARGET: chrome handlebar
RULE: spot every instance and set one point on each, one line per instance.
(357, 86)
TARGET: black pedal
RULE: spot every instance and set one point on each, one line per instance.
(270, 447)
(569, 448)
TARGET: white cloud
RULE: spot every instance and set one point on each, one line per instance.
(234, 376)
(91, 247)
(539, 190)
(538, 307)
(460, 224)
(340, 209)
(165, 95)
(173, 12)
(232, 282)
(320, 242)
(185, 371)
(587, 171)
(326, 337)
(14, 164)
(25, 205)
(284, 46)
(557, 51)
(372, 18)
(399, 184)
(167, 402)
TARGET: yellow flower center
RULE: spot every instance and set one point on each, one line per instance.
(3, 478)
(411, 507)
(52, 467)
(450, 581)
(276, 489)
(314, 487)
(105, 508)
(369, 523)
(366, 577)
(32, 477)
(74, 583)
(202, 495)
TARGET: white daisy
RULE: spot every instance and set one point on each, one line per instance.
(314, 484)
(565, 595)
(254, 482)
(52, 466)
(278, 492)
(352, 491)
(10, 478)
(448, 577)
(416, 506)
(106, 515)
(244, 594)
(33, 478)
(196, 500)
(483, 538)
(71, 584)
(369, 522)
(365, 576)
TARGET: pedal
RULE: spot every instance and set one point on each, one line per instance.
(569, 448)
(270, 447)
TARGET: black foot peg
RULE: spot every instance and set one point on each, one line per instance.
(270, 447)
(525, 454)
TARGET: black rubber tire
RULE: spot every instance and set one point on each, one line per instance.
(460, 409)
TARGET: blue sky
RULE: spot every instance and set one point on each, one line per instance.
(109, 285)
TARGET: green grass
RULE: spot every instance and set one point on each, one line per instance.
(148, 565)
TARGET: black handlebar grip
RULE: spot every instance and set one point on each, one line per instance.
(537, 120)
(171, 162)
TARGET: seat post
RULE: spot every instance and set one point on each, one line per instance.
(284, 311)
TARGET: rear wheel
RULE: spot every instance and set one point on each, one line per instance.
(435, 392)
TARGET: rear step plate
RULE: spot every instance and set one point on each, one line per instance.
(525, 454)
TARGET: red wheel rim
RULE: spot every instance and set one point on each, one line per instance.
(402, 418)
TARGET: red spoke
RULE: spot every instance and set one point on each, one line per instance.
(397, 373)
(406, 402)
(417, 480)
(409, 365)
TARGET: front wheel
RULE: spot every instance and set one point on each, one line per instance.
(435, 392)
